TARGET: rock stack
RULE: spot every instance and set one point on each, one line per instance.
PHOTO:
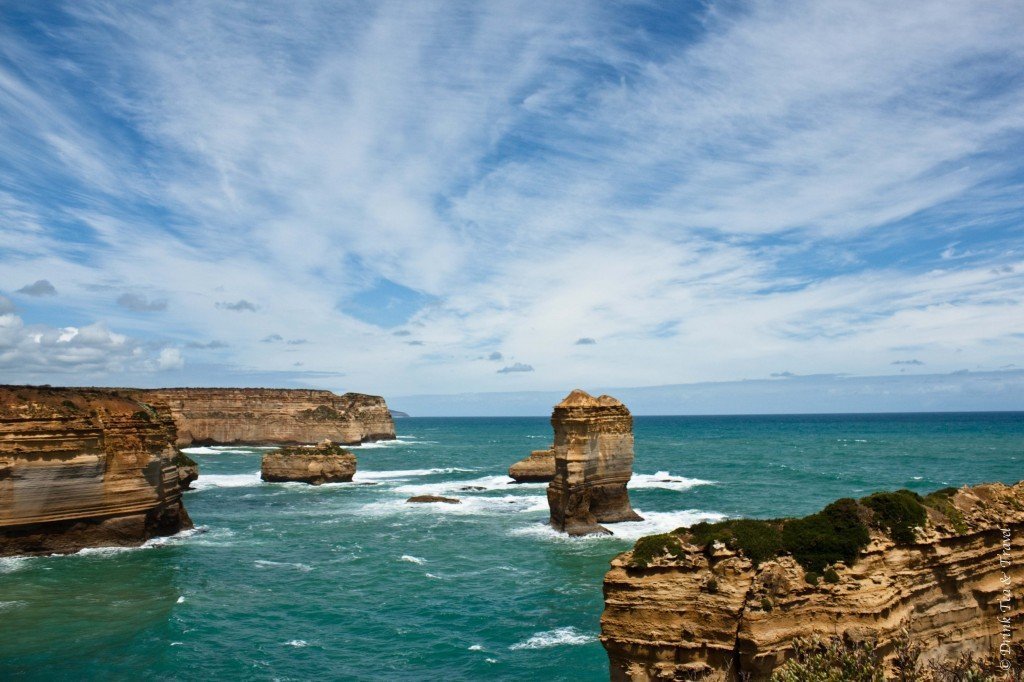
(593, 454)
(325, 463)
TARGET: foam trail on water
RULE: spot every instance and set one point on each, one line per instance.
(262, 563)
(653, 524)
(665, 480)
(557, 637)
(362, 475)
(457, 486)
(200, 451)
(413, 559)
(206, 481)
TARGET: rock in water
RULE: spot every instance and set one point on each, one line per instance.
(539, 467)
(424, 499)
(684, 605)
(188, 470)
(593, 463)
(261, 416)
(85, 468)
(326, 463)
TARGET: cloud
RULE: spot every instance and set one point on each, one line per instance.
(210, 345)
(782, 375)
(414, 343)
(906, 362)
(495, 356)
(140, 304)
(6, 305)
(402, 332)
(517, 367)
(585, 341)
(272, 338)
(297, 342)
(238, 306)
(41, 287)
(170, 358)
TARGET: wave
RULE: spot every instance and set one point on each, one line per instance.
(469, 486)
(653, 524)
(413, 559)
(297, 643)
(16, 604)
(665, 480)
(11, 564)
(558, 637)
(469, 505)
(404, 473)
(263, 563)
(200, 451)
(226, 481)
(389, 444)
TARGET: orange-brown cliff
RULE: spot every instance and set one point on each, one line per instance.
(84, 467)
(593, 463)
(210, 416)
(708, 612)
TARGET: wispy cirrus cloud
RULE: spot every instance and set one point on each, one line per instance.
(709, 190)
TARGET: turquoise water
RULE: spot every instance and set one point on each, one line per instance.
(291, 582)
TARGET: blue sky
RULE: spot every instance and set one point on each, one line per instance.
(445, 197)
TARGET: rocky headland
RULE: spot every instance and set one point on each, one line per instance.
(83, 468)
(260, 416)
(537, 467)
(325, 463)
(593, 454)
(728, 600)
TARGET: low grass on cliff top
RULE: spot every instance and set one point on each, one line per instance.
(835, 534)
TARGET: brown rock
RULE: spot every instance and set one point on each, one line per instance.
(188, 470)
(260, 416)
(538, 467)
(433, 498)
(716, 616)
(82, 468)
(593, 463)
(326, 463)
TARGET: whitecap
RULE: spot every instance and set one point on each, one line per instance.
(665, 480)
(362, 475)
(435, 577)
(460, 486)
(201, 450)
(491, 660)
(12, 563)
(558, 637)
(226, 481)
(8, 605)
(476, 647)
(181, 600)
(653, 524)
(468, 505)
(413, 559)
(389, 444)
(263, 563)
(297, 643)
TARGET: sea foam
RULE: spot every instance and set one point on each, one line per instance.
(557, 637)
(653, 523)
(665, 480)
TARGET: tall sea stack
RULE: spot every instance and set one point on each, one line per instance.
(593, 463)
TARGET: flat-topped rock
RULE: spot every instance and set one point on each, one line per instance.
(325, 463)
(593, 456)
(538, 467)
(427, 499)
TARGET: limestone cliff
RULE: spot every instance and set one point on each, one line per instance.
(538, 467)
(593, 463)
(84, 467)
(679, 607)
(211, 416)
(325, 463)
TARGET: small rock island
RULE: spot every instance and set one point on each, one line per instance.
(325, 463)
(593, 463)
(538, 467)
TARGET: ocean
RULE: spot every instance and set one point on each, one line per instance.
(283, 581)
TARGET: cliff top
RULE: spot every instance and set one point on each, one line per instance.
(580, 398)
(47, 401)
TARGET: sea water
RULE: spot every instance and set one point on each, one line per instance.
(284, 581)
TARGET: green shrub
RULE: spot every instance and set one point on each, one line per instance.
(812, 578)
(830, 576)
(831, 661)
(183, 460)
(758, 540)
(766, 604)
(897, 513)
(712, 586)
(940, 501)
(648, 548)
(836, 533)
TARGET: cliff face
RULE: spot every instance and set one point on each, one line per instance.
(84, 467)
(709, 613)
(210, 416)
(326, 463)
(538, 467)
(593, 463)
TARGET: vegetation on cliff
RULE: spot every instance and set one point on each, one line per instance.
(835, 534)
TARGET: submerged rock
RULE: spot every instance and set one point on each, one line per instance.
(538, 467)
(325, 463)
(593, 454)
(423, 499)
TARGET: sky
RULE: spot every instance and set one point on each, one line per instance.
(436, 198)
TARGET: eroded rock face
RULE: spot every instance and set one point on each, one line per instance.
(593, 453)
(188, 470)
(84, 468)
(255, 416)
(325, 463)
(713, 615)
(538, 467)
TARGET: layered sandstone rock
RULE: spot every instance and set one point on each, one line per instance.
(325, 463)
(188, 470)
(258, 416)
(593, 463)
(710, 613)
(82, 468)
(538, 467)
